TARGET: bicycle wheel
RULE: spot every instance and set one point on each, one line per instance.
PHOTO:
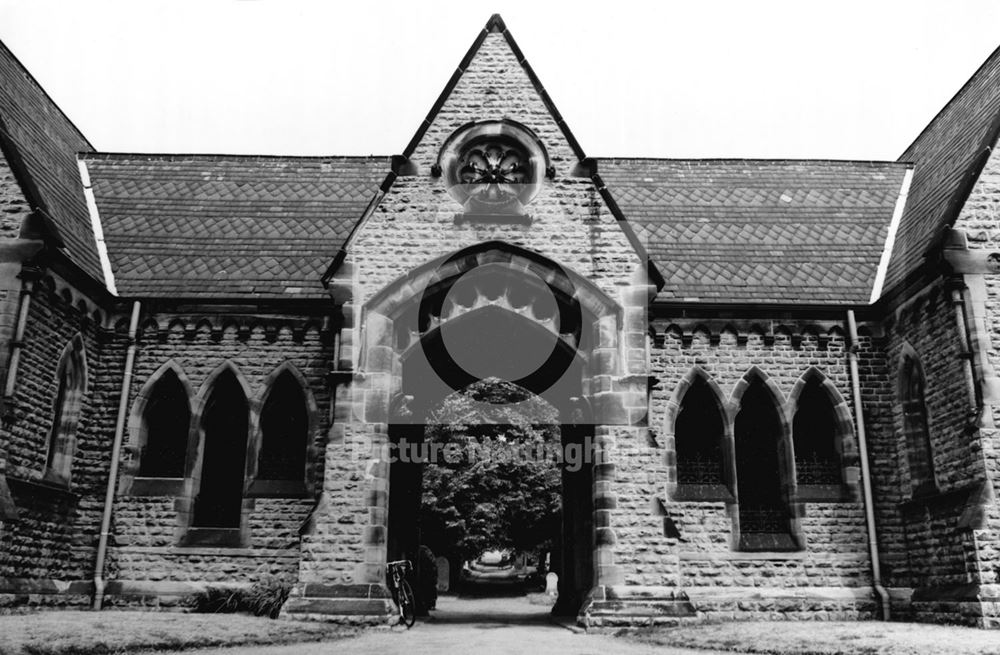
(407, 604)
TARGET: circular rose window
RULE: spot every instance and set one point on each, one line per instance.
(493, 167)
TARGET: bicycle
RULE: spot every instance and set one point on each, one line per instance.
(402, 594)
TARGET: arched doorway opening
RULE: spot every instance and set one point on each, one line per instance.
(492, 483)
(566, 452)
(476, 477)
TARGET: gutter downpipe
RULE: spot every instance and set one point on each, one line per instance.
(966, 343)
(866, 480)
(109, 496)
(17, 344)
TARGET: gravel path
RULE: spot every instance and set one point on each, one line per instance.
(482, 626)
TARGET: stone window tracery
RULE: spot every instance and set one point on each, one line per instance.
(814, 432)
(764, 514)
(71, 374)
(493, 168)
(698, 434)
(918, 444)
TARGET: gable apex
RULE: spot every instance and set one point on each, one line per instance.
(494, 26)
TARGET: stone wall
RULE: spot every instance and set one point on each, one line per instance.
(415, 221)
(974, 256)
(830, 576)
(47, 553)
(148, 562)
(14, 208)
(926, 548)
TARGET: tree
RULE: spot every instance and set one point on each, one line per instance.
(500, 489)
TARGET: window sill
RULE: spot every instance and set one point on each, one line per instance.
(8, 510)
(702, 493)
(156, 487)
(924, 497)
(214, 537)
(278, 489)
(823, 493)
(775, 542)
(54, 479)
(41, 488)
(925, 490)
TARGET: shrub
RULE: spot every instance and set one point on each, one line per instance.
(266, 597)
(215, 600)
(263, 598)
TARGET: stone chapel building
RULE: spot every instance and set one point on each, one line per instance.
(784, 369)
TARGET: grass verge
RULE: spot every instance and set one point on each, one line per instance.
(104, 633)
(825, 638)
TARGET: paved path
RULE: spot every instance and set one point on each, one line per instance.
(481, 626)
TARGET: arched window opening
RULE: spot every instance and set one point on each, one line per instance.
(814, 434)
(71, 374)
(918, 441)
(224, 421)
(698, 434)
(764, 518)
(284, 432)
(166, 420)
(58, 413)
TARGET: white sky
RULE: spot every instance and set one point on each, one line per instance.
(843, 80)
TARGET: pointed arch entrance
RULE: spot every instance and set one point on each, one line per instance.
(496, 311)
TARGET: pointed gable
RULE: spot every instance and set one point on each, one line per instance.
(40, 144)
(572, 218)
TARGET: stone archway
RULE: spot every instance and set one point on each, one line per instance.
(463, 309)
(392, 339)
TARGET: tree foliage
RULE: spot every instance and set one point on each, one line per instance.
(489, 496)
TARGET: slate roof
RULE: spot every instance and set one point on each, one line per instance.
(36, 135)
(948, 156)
(759, 231)
(205, 226)
(202, 226)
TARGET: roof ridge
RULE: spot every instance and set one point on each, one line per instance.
(171, 156)
(495, 24)
(769, 160)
